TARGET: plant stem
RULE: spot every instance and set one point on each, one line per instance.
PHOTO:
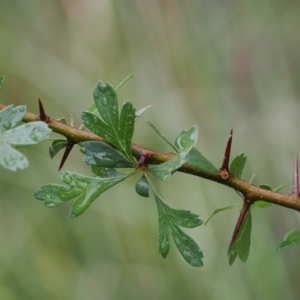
(249, 191)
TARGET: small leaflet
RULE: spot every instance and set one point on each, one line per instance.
(56, 146)
(238, 164)
(290, 239)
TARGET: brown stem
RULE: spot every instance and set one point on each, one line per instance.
(249, 191)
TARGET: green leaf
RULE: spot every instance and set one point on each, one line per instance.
(26, 134)
(290, 239)
(187, 138)
(241, 246)
(115, 128)
(1, 81)
(165, 170)
(56, 146)
(187, 247)
(197, 160)
(162, 136)
(142, 187)
(103, 155)
(222, 209)
(169, 220)
(238, 164)
(86, 188)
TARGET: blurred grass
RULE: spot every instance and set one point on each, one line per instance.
(217, 64)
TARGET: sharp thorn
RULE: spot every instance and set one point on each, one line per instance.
(68, 149)
(42, 116)
(225, 165)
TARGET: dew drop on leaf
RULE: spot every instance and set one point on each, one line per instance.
(7, 126)
(22, 108)
(104, 101)
(27, 125)
(37, 134)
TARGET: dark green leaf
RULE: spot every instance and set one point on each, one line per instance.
(197, 160)
(103, 155)
(184, 218)
(56, 146)
(142, 187)
(291, 238)
(86, 188)
(1, 81)
(188, 248)
(169, 220)
(165, 170)
(164, 230)
(118, 130)
(162, 136)
(238, 164)
(187, 138)
(241, 246)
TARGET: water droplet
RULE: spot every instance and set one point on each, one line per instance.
(114, 108)
(38, 134)
(21, 108)
(66, 177)
(95, 119)
(14, 110)
(104, 101)
(27, 125)
(10, 161)
(83, 150)
(102, 87)
(7, 125)
(87, 124)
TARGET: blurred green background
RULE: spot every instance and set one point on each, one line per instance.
(217, 64)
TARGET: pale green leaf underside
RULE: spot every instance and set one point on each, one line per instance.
(56, 146)
(84, 187)
(187, 138)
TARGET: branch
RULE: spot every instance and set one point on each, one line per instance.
(249, 191)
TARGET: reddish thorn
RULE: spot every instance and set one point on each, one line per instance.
(224, 170)
(245, 209)
(43, 117)
(143, 161)
(68, 149)
(296, 177)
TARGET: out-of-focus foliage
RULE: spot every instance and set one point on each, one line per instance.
(217, 64)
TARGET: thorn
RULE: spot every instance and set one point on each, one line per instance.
(43, 117)
(244, 211)
(143, 161)
(296, 177)
(68, 149)
(224, 170)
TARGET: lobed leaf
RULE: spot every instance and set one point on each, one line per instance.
(241, 246)
(169, 220)
(115, 128)
(84, 187)
(238, 164)
(26, 134)
(290, 239)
